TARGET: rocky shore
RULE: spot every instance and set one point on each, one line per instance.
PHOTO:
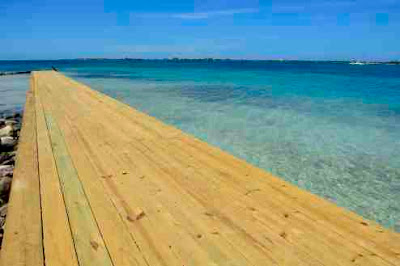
(10, 126)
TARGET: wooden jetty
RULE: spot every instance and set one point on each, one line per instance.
(100, 183)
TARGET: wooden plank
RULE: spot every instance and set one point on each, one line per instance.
(174, 203)
(140, 235)
(188, 244)
(22, 244)
(149, 207)
(121, 245)
(338, 217)
(220, 181)
(57, 238)
(141, 162)
(89, 244)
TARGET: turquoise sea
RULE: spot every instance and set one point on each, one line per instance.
(329, 127)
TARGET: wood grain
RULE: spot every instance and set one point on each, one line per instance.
(22, 243)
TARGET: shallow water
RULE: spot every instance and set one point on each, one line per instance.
(330, 128)
(12, 93)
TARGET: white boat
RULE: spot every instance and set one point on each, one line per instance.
(357, 63)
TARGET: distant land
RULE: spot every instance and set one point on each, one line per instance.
(177, 59)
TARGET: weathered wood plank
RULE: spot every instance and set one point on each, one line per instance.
(22, 244)
(89, 244)
(174, 237)
(57, 238)
(343, 226)
(121, 245)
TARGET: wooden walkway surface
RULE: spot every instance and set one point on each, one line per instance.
(100, 183)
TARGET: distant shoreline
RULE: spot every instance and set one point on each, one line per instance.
(177, 59)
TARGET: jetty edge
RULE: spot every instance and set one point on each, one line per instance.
(97, 182)
(12, 73)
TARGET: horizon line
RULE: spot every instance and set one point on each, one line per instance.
(205, 58)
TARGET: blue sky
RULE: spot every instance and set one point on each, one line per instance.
(252, 29)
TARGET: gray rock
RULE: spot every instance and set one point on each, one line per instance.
(7, 142)
(2, 223)
(5, 185)
(10, 161)
(6, 131)
(3, 214)
(16, 133)
(5, 157)
(3, 210)
(11, 122)
(6, 170)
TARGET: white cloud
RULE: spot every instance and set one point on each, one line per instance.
(203, 15)
(195, 48)
(153, 48)
(197, 15)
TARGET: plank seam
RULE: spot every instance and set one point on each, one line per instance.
(84, 192)
(62, 194)
(119, 215)
(130, 234)
(34, 92)
(116, 208)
